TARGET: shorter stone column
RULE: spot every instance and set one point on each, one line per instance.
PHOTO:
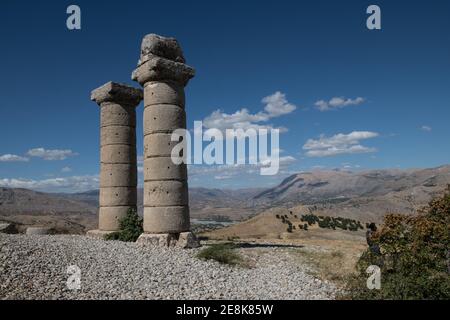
(118, 163)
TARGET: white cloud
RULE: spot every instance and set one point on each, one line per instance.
(66, 169)
(51, 154)
(67, 184)
(237, 170)
(12, 158)
(426, 128)
(337, 103)
(276, 105)
(339, 144)
(224, 177)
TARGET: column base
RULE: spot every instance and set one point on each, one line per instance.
(98, 234)
(185, 240)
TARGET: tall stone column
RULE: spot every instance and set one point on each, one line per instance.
(163, 74)
(118, 163)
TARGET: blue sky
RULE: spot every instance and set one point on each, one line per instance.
(363, 98)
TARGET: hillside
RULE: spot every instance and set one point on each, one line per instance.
(268, 225)
(364, 195)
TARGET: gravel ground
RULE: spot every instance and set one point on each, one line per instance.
(35, 267)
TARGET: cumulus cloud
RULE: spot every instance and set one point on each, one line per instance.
(66, 169)
(426, 128)
(339, 144)
(51, 154)
(67, 184)
(276, 105)
(12, 158)
(237, 170)
(337, 103)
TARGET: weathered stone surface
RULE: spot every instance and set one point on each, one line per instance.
(165, 193)
(158, 145)
(160, 69)
(98, 234)
(8, 228)
(118, 153)
(118, 175)
(115, 114)
(108, 217)
(117, 93)
(38, 230)
(157, 240)
(163, 73)
(166, 219)
(118, 196)
(164, 92)
(163, 118)
(169, 48)
(187, 240)
(118, 135)
(162, 168)
(118, 172)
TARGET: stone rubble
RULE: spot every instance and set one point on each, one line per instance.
(34, 267)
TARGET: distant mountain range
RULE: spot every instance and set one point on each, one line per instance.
(364, 195)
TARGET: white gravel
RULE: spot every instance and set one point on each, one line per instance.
(35, 267)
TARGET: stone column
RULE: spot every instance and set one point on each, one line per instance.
(118, 163)
(163, 74)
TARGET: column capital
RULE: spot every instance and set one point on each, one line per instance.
(162, 59)
(160, 69)
(118, 93)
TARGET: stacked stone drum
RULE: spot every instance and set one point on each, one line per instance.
(118, 163)
(163, 74)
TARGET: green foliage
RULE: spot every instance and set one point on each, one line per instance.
(331, 222)
(413, 256)
(130, 228)
(221, 252)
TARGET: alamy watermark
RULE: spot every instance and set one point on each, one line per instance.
(374, 280)
(234, 142)
(74, 280)
(73, 21)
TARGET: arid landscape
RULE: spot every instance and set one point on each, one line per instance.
(262, 224)
(365, 196)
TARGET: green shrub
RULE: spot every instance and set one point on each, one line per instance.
(130, 228)
(221, 252)
(413, 256)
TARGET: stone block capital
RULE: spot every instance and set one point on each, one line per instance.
(117, 93)
(161, 69)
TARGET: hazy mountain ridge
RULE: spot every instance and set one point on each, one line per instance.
(364, 195)
(318, 186)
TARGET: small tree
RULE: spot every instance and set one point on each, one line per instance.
(131, 227)
(413, 256)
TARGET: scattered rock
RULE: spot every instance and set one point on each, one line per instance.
(8, 228)
(36, 267)
(38, 231)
